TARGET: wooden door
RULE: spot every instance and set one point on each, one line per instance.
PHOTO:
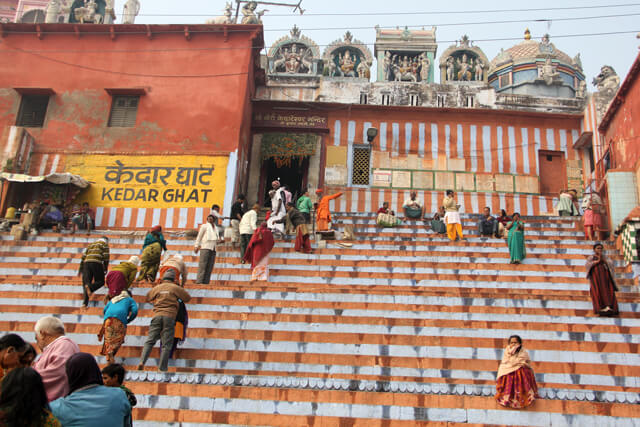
(553, 171)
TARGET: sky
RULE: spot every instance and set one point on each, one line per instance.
(582, 22)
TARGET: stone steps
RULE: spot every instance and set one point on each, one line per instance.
(403, 328)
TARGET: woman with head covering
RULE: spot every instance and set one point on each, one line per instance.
(152, 248)
(118, 313)
(23, 400)
(12, 348)
(89, 402)
(122, 276)
(515, 239)
(258, 251)
(516, 385)
(176, 263)
(601, 275)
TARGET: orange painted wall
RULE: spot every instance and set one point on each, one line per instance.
(504, 142)
(197, 90)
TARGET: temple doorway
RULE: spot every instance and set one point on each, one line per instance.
(290, 171)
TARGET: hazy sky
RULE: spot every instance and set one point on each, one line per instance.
(474, 18)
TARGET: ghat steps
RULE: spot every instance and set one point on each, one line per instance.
(403, 327)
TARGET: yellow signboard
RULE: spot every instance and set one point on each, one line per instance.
(151, 181)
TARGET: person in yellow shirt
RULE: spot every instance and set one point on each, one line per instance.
(323, 214)
(452, 217)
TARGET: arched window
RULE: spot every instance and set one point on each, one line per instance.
(34, 16)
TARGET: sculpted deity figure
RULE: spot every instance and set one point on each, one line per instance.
(425, 67)
(607, 79)
(464, 68)
(548, 72)
(279, 63)
(307, 61)
(130, 11)
(387, 66)
(363, 70)
(479, 70)
(53, 10)
(404, 70)
(249, 14)
(581, 92)
(293, 60)
(450, 68)
(347, 64)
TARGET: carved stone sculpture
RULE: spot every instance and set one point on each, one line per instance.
(607, 80)
(386, 66)
(88, 11)
(227, 18)
(404, 71)
(53, 10)
(548, 72)
(347, 64)
(464, 68)
(363, 70)
(130, 11)
(425, 67)
(249, 14)
(581, 92)
(450, 68)
(479, 70)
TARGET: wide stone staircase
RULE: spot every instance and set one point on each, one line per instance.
(402, 328)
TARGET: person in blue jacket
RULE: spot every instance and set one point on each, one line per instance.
(118, 313)
(89, 402)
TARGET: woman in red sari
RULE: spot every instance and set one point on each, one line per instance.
(258, 251)
(516, 385)
(601, 275)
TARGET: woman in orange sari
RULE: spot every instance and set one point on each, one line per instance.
(257, 253)
(516, 385)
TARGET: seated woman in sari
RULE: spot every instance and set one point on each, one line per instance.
(154, 244)
(601, 275)
(516, 385)
(257, 253)
(387, 218)
(515, 239)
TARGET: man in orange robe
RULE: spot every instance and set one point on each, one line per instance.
(323, 214)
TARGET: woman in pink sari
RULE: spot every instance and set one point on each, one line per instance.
(516, 385)
(258, 251)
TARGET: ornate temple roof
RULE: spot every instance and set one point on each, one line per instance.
(532, 49)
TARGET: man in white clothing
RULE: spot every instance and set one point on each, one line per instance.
(206, 244)
(413, 207)
(278, 210)
(248, 225)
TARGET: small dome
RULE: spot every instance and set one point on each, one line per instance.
(530, 50)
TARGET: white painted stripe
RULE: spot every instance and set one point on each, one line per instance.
(184, 216)
(113, 214)
(354, 200)
(407, 137)
(486, 147)
(380, 200)
(563, 142)
(474, 202)
(365, 127)
(142, 213)
(530, 205)
(542, 204)
(351, 134)
(336, 133)
(367, 201)
(421, 138)
(447, 141)
(473, 148)
(574, 137)
(54, 164)
(460, 142)
(155, 217)
(99, 215)
(512, 149)
(43, 164)
(434, 142)
(394, 200)
(434, 202)
(538, 146)
(126, 217)
(500, 150)
(460, 199)
(168, 223)
(383, 136)
(503, 202)
(198, 219)
(551, 142)
(488, 197)
(516, 203)
(395, 139)
(525, 149)
(343, 203)
(230, 185)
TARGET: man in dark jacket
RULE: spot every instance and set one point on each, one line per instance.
(164, 298)
(93, 267)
